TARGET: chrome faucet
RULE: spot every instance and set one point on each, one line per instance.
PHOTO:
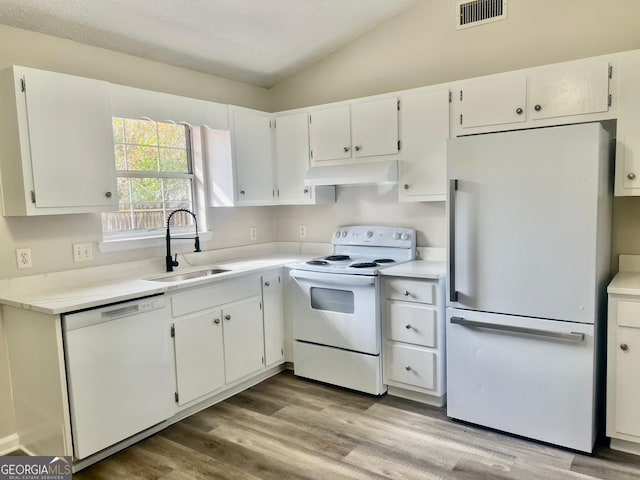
(171, 262)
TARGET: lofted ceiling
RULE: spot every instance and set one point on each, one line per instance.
(253, 41)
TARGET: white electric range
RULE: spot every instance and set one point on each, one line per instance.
(337, 326)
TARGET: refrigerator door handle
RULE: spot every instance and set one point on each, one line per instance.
(573, 336)
(453, 186)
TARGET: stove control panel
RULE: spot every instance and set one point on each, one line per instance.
(375, 236)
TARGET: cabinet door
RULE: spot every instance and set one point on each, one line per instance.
(243, 338)
(374, 126)
(573, 88)
(199, 355)
(292, 158)
(273, 318)
(424, 125)
(627, 391)
(253, 157)
(330, 133)
(493, 100)
(71, 141)
(628, 140)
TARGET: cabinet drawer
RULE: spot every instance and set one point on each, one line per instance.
(410, 290)
(628, 314)
(410, 365)
(412, 323)
(214, 295)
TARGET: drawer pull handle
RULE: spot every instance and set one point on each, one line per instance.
(408, 327)
(267, 284)
(216, 321)
(227, 317)
(406, 293)
(624, 347)
(407, 368)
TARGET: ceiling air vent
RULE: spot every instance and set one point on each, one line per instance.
(478, 12)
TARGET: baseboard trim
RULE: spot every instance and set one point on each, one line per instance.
(9, 443)
(417, 396)
(625, 446)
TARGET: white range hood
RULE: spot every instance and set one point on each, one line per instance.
(368, 173)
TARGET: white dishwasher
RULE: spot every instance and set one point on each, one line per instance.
(118, 371)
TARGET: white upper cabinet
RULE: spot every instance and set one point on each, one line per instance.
(252, 142)
(424, 130)
(330, 132)
(374, 127)
(344, 133)
(628, 129)
(495, 100)
(292, 162)
(568, 89)
(569, 92)
(56, 144)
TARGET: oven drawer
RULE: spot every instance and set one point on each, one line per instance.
(410, 365)
(412, 323)
(410, 290)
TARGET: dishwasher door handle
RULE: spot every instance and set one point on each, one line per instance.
(573, 336)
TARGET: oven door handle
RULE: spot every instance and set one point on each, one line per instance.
(332, 278)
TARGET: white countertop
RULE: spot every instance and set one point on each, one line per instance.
(68, 298)
(625, 283)
(417, 269)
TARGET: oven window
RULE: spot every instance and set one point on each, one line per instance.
(332, 300)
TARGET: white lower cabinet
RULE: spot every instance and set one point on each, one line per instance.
(413, 338)
(623, 362)
(273, 315)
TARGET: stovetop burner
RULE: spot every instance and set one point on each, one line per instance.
(363, 265)
(317, 262)
(337, 258)
(384, 260)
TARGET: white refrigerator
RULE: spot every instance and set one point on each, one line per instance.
(529, 216)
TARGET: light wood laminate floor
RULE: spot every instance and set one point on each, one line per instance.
(290, 428)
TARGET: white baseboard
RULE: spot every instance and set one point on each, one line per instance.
(9, 443)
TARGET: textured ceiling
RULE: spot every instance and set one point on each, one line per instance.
(253, 41)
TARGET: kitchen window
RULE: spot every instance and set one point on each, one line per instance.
(155, 172)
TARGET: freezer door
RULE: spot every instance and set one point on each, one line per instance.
(524, 212)
(526, 376)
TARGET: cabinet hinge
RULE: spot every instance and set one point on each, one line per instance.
(262, 358)
(460, 95)
(398, 145)
(460, 119)
(260, 305)
(176, 397)
(278, 278)
(278, 192)
(309, 118)
(398, 105)
(450, 96)
(23, 85)
(274, 124)
(173, 334)
(282, 351)
(33, 196)
(610, 71)
(610, 100)
(311, 153)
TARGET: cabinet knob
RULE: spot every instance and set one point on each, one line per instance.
(358, 148)
(346, 149)
(267, 284)
(306, 190)
(624, 347)
(631, 175)
(406, 293)
(216, 321)
(107, 194)
(407, 368)
(408, 327)
(242, 192)
(227, 317)
(406, 186)
(537, 108)
(519, 111)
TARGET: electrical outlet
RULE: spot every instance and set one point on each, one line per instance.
(253, 233)
(23, 257)
(82, 252)
(302, 231)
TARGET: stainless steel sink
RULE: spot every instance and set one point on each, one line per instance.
(188, 276)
